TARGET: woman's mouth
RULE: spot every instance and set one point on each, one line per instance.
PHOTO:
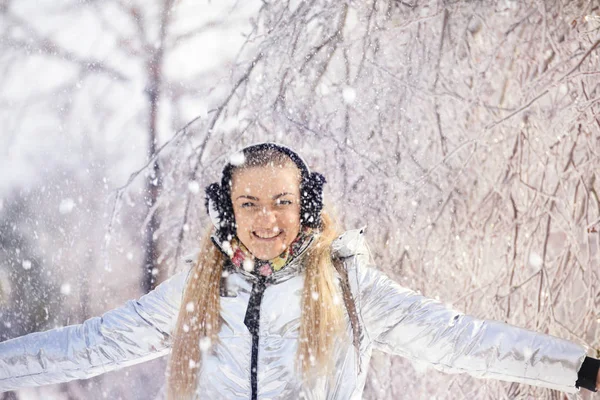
(267, 236)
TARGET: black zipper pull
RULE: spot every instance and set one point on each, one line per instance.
(252, 318)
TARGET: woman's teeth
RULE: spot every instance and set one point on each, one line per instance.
(266, 236)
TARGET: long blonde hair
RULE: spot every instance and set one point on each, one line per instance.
(199, 318)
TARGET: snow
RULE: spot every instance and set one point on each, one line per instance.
(205, 344)
(66, 206)
(237, 159)
(226, 246)
(248, 265)
(414, 135)
(65, 289)
(194, 187)
(535, 260)
(349, 95)
(189, 307)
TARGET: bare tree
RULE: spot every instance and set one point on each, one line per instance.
(464, 133)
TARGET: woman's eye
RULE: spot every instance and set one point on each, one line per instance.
(247, 205)
(284, 202)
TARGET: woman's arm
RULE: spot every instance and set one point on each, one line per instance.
(137, 332)
(400, 321)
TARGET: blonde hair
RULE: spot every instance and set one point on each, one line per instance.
(199, 315)
(198, 319)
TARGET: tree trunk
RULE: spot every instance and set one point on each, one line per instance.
(150, 265)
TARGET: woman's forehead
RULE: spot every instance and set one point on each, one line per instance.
(268, 180)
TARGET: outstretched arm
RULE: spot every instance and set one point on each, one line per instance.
(400, 321)
(137, 332)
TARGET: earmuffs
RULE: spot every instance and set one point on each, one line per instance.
(218, 195)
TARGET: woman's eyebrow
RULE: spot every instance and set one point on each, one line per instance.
(247, 197)
(281, 195)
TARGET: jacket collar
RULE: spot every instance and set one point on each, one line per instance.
(291, 269)
(348, 244)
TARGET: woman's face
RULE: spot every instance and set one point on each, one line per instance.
(266, 205)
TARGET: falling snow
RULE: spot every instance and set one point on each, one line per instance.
(237, 159)
(194, 187)
(464, 134)
(349, 95)
(535, 260)
(189, 307)
(65, 289)
(66, 206)
(205, 344)
(248, 265)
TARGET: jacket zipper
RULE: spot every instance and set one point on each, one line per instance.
(252, 322)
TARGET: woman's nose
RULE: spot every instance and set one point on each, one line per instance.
(266, 214)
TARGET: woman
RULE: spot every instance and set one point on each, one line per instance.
(279, 306)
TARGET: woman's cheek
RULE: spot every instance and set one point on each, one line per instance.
(244, 219)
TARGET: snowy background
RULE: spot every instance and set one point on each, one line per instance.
(466, 135)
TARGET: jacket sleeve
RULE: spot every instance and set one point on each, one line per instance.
(136, 332)
(402, 322)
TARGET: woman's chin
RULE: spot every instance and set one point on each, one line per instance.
(266, 254)
(267, 250)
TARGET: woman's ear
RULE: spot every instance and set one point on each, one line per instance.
(212, 203)
(220, 210)
(311, 200)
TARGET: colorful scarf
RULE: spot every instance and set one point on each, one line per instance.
(242, 258)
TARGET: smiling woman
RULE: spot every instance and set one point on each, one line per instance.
(270, 226)
(278, 305)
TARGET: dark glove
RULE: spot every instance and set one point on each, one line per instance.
(586, 377)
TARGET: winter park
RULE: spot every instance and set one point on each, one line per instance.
(378, 199)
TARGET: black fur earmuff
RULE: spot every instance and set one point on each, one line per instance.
(218, 195)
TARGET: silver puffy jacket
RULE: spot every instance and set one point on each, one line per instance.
(393, 319)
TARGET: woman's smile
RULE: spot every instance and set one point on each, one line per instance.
(267, 236)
